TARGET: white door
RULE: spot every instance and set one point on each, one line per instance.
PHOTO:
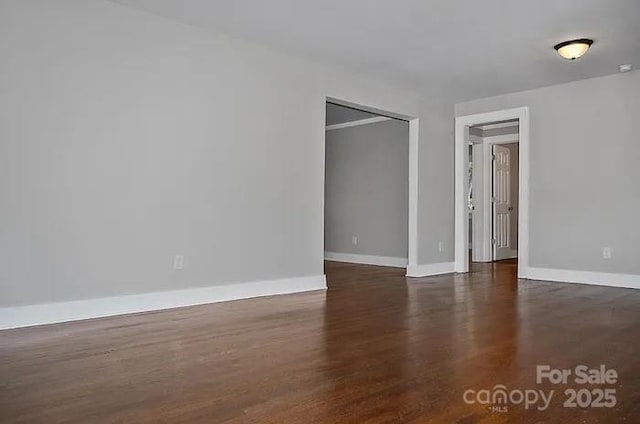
(501, 203)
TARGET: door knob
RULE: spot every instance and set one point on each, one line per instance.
(510, 208)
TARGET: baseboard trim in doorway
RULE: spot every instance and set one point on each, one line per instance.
(50, 313)
(366, 259)
(430, 269)
(583, 277)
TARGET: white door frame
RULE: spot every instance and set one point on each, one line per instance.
(414, 139)
(462, 124)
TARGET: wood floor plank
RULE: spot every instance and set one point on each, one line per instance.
(376, 347)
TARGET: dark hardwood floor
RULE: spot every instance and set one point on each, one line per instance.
(376, 347)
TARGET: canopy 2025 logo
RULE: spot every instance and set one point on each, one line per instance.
(500, 398)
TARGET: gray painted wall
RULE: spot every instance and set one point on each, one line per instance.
(337, 114)
(435, 184)
(367, 189)
(126, 138)
(492, 132)
(475, 131)
(584, 171)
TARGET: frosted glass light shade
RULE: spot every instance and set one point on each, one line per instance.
(573, 49)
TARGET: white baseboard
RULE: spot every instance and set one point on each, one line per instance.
(430, 269)
(49, 313)
(583, 277)
(366, 259)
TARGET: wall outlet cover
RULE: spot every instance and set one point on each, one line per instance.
(178, 262)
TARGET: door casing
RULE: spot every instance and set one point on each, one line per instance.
(462, 124)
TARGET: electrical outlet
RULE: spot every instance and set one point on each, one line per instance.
(607, 253)
(441, 247)
(178, 262)
(354, 240)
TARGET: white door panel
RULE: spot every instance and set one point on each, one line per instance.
(501, 202)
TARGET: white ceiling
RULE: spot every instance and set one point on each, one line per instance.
(458, 50)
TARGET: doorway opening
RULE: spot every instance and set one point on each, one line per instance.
(493, 191)
(370, 198)
(492, 188)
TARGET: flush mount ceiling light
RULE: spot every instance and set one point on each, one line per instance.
(573, 49)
